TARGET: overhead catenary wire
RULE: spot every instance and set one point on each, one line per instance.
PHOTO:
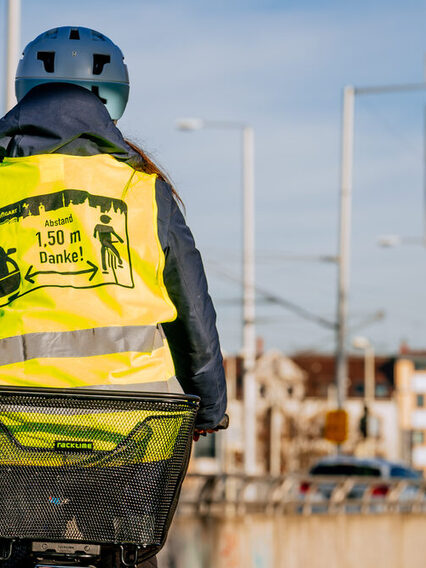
(365, 322)
(277, 256)
(269, 297)
(370, 108)
(273, 298)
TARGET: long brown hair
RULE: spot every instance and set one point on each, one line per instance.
(148, 166)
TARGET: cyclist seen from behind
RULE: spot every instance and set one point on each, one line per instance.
(72, 191)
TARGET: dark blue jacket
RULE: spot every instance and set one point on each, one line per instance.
(67, 119)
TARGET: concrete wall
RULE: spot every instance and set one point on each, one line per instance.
(329, 541)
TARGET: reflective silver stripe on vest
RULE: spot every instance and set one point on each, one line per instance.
(170, 385)
(81, 343)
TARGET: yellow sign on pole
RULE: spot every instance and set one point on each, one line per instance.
(336, 426)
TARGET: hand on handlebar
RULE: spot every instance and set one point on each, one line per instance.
(223, 425)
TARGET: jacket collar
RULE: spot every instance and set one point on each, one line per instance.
(62, 118)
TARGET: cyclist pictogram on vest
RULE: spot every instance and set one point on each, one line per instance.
(104, 232)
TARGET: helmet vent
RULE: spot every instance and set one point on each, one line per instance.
(48, 58)
(74, 34)
(51, 34)
(99, 62)
(97, 35)
(95, 91)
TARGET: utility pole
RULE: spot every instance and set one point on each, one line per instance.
(424, 176)
(344, 242)
(424, 158)
(12, 50)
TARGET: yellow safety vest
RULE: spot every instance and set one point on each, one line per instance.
(82, 295)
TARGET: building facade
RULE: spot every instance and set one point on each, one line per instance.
(293, 397)
(410, 379)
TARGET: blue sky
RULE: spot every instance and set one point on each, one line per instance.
(281, 66)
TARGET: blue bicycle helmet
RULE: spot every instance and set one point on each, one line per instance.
(80, 56)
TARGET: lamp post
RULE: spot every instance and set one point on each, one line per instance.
(349, 94)
(12, 50)
(248, 316)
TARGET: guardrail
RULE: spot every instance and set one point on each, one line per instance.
(235, 494)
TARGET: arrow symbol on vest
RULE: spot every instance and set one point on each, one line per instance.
(93, 270)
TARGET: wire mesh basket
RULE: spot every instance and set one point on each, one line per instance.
(93, 467)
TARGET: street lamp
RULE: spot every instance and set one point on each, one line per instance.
(249, 334)
(391, 241)
(349, 94)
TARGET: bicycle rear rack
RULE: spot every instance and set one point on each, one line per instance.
(78, 555)
(65, 554)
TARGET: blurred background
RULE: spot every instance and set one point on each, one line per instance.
(281, 487)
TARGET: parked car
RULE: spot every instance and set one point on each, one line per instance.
(336, 467)
(361, 467)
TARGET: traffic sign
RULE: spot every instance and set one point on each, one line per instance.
(336, 426)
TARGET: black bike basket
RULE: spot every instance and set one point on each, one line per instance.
(92, 466)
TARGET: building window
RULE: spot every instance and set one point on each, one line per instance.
(420, 399)
(418, 437)
(382, 390)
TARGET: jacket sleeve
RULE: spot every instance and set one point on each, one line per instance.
(192, 337)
